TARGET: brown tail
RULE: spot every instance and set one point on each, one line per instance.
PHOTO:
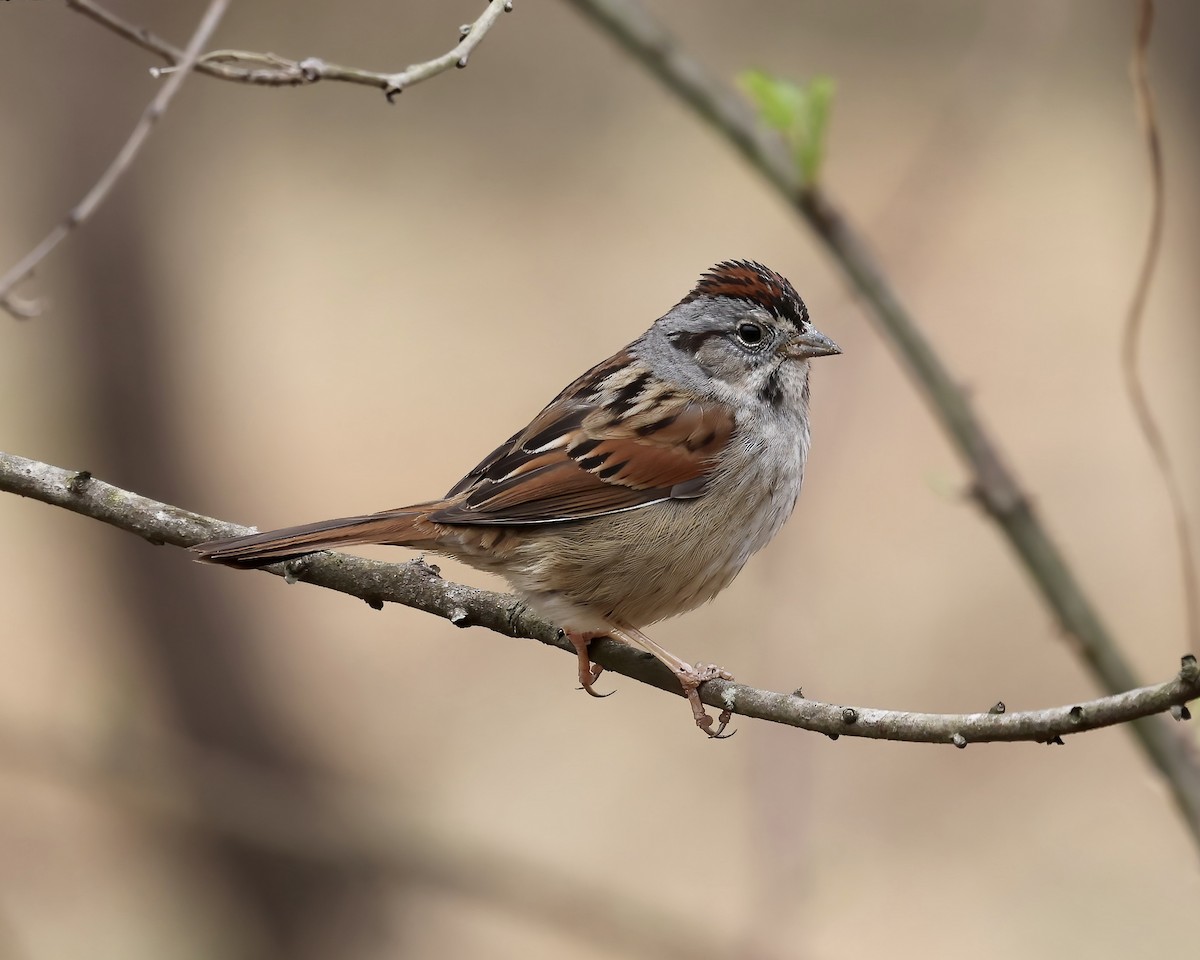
(275, 546)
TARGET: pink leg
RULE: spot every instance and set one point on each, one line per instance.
(589, 672)
(690, 679)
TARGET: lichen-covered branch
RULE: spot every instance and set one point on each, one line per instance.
(419, 585)
(267, 69)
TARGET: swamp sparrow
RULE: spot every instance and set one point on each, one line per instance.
(641, 489)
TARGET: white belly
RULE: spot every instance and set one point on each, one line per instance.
(664, 559)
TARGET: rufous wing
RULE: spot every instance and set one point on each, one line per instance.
(616, 439)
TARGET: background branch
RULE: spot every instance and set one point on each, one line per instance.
(994, 485)
(1134, 321)
(419, 585)
(25, 309)
(255, 805)
(268, 69)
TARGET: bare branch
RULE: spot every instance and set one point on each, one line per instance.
(25, 309)
(418, 585)
(268, 69)
(236, 65)
(995, 486)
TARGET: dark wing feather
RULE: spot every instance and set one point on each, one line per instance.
(613, 440)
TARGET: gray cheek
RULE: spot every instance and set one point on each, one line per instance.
(720, 360)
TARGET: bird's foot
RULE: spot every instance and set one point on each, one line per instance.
(690, 679)
(589, 672)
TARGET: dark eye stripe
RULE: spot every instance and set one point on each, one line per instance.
(689, 341)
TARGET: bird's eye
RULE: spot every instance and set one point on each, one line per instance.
(751, 334)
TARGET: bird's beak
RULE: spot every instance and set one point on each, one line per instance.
(812, 343)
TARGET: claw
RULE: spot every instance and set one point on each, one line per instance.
(722, 723)
(589, 672)
(690, 678)
(593, 674)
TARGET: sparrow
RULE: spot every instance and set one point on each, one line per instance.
(636, 494)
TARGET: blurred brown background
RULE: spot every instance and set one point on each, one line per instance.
(305, 303)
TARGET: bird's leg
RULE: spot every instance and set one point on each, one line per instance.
(690, 678)
(589, 672)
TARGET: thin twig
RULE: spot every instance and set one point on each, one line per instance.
(995, 487)
(268, 69)
(1134, 323)
(24, 309)
(231, 65)
(420, 586)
